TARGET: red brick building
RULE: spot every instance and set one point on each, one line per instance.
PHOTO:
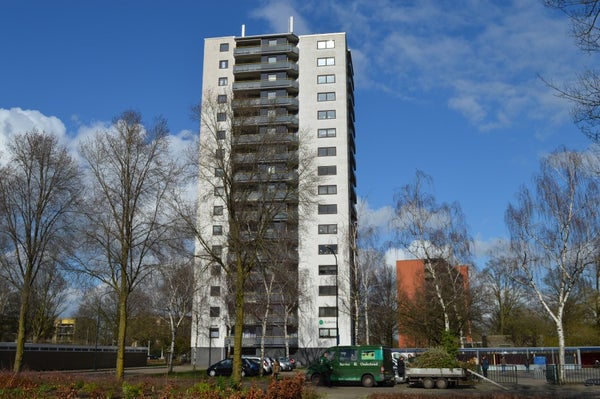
(411, 279)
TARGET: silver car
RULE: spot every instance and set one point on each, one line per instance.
(285, 364)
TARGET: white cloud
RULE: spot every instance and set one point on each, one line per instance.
(278, 13)
(484, 57)
(15, 121)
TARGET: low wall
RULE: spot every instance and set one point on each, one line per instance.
(69, 357)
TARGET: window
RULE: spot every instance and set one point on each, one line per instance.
(348, 355)
(218, 210)
(222, 98)
(328, 114)
(217, 230)
(223, 64)
(222, 81)
(223, 47)
(329, 96)
(215, 290)
(324, 79)
(327, 270)
(328, 189)
(215, 270)
(215, 311)
(327, 170)
(326, 151)
(326, 132)
(328, 229)
(219, 191)
(214, 332)
(219, 172)
(328, 209)
(327, 333)
(326, 61)
(323, 44)
(220, 134)
(327, 311)
(217, 250)
(221, 116)
(325, 249)
(327, 290)
(219, 153)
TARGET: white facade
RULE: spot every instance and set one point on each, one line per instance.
(312, 74)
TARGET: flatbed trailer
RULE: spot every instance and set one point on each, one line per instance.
(440, 378)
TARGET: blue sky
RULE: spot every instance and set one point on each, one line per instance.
(451, 88)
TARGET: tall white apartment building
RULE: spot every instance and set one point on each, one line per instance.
(301, 89)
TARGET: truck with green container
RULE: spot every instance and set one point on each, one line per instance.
(369, 365)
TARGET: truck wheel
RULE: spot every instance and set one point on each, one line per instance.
(368, 381)
(315, 379)
(441, 383)
(428, 383)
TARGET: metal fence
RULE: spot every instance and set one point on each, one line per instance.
(504, 375)
(573, 374)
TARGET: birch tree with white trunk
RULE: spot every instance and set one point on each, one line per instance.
(555, 231)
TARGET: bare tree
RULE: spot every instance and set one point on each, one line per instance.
(504, 295)
(370, 260)
(436, 233)
(384, 314)
(131, 173)
(49, 294)
(584, 93)
(175, 294)
(39, 191)
(554, 231)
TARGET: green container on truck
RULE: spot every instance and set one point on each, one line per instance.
(369, 365)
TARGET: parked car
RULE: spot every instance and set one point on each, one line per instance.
(285, 364)
(225, 367)
(267, 365)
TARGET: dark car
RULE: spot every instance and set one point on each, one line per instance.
(225, 367)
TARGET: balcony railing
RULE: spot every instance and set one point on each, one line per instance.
(266, 84)
(260, 50)
(265, 67)
(289, 102)
(266, 120)
(261, 139)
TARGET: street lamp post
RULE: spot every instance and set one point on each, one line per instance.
(101, 297)
(337, 297)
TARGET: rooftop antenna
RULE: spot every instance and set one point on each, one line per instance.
(243, 30)
(291, 24)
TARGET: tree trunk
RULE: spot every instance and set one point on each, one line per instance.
(239, 328)
(172, 348)
(20, 349)
(120, 367)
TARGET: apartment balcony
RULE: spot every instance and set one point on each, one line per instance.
(264, 177)
(288, 84)
(262, 139)
(259, 67)
(264, 156)
(241, 52)
(262, 120)
(291, 103)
